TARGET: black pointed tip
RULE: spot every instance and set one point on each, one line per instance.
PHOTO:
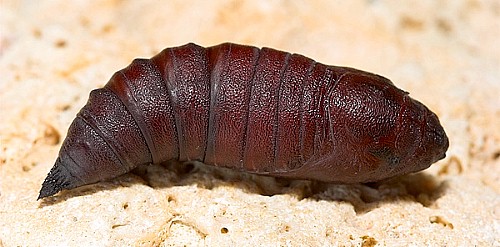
(49, 187)
(56, 180)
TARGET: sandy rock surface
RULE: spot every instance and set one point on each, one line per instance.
(446, 53)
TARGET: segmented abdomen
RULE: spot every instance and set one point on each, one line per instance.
(229, 105)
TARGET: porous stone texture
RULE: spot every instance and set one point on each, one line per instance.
(446, 53)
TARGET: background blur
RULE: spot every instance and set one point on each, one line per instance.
(445, 53)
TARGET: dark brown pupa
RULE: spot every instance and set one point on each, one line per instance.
(261, 111)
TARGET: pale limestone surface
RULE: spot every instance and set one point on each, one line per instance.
(446, 53)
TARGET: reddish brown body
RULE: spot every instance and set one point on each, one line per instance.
(257, 110)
